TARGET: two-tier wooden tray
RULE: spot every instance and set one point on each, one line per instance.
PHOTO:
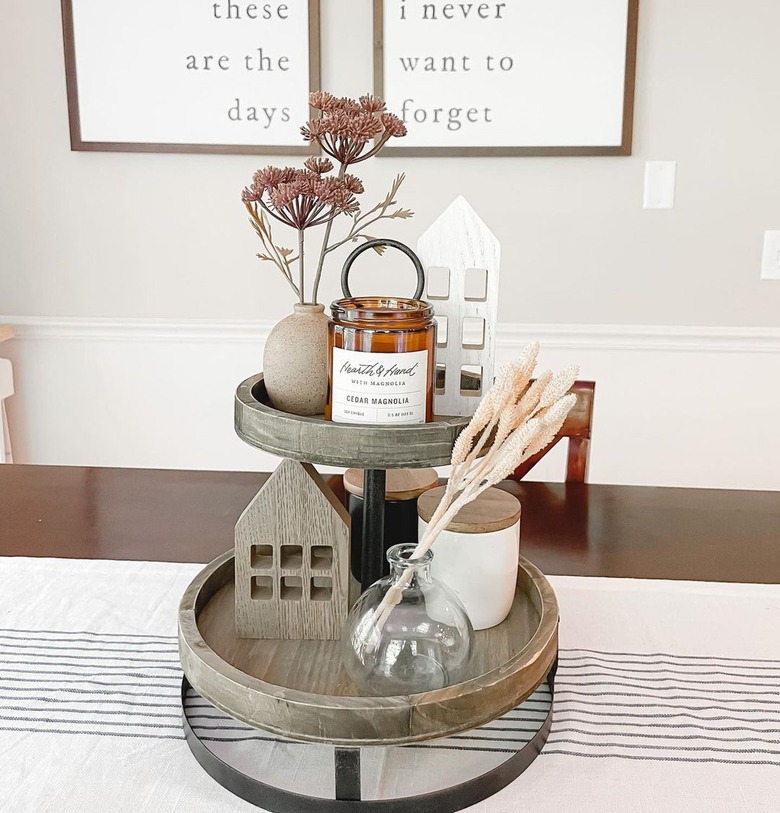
(299, 689)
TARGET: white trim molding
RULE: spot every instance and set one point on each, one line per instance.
(509, 335)
(143, 330)
(664, 410)
(643, 337)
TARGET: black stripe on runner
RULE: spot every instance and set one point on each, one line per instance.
(716, 760)
(502, 728)
(128, 723)
(678, 696)
(612, 666)
(33, 658)
(665, 655)
(259, 738)
(418, 745)
(244, 728)
(85, 679)
(666, 737)
(111, 635)
(650, 747)
(89, 666)
(635, 705)
(599, 723)
(125, 712)
(54, 689)
(30, 730)
(619, 680)
(128, 703)
(104, 646)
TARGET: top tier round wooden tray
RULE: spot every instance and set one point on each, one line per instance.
(300, 689)
(315, 440)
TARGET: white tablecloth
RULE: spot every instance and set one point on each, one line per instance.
(667, 698)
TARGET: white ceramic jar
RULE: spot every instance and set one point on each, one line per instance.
(477, 554)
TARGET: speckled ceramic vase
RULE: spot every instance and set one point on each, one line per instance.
(295, 361)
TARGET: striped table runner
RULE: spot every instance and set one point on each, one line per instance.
(666, 698)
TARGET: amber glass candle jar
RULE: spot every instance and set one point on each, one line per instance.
(381, 360)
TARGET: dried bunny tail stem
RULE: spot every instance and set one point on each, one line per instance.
(463, 445)
(560, 384)
(529, 401)
(527, 417)
(525, 441)
(481, 419)
(511, 379)
(546, 428)
(512, 448)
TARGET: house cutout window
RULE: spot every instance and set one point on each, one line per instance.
(441, 372)
(321, 588)
(291, 588)
(291, 556)
(262, 588)
(473, 333)
(475, 285)
(438, 283)
(470, 380)
(321, 557)
(262, 556)
(441, 331)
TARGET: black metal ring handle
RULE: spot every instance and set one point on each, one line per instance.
(390, 244)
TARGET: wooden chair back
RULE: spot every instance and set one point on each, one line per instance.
(577, 428)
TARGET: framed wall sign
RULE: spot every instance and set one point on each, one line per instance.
(520, 77)
(190, 75)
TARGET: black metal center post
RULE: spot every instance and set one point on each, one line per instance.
(373, 550)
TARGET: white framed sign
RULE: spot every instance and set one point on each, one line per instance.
(190, 75)
(520, 77)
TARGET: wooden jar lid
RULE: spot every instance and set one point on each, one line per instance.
(493, 510)
(400, 484)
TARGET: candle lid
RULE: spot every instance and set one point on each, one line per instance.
(493, 510)
(400, 484)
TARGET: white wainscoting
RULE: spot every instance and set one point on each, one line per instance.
(675, 406)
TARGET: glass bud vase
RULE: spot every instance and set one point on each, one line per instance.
(422, 642)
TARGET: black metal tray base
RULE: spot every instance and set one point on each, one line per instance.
(347, 772)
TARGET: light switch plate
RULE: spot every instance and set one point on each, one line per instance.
(659, 184)
(770, 261)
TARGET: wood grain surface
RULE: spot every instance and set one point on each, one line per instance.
(400, 484)
(292, 558)
(315, 440)
(493, 510)
(300, 689)
(575, 529)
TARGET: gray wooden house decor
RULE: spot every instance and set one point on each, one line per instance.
(292, 558)
(461, 257)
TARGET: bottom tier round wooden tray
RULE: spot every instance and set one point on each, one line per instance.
(300, 690)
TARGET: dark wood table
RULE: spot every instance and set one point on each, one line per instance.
(582, 530)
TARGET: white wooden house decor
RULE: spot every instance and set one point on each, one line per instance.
(292, 558)
(461, 257)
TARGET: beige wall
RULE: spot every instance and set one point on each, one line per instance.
(133, 235)
(150, 261)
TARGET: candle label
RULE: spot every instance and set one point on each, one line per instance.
(379, 387)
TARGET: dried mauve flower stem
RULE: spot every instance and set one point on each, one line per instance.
(516, 419)
(349, 131)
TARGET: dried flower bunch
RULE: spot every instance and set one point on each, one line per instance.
(302, 198)
(515, 420)
(345, 127)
